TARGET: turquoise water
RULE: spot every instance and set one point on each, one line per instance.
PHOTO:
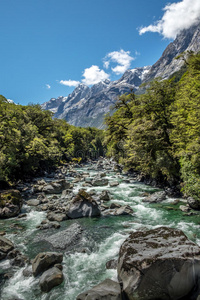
(103, 237)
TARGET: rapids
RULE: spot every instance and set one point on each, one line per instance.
(85, 269)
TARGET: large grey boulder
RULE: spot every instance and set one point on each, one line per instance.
(83, 205)
(5, 247)
(51, 278)
(106, 290)
(159, 264)
(44, 261)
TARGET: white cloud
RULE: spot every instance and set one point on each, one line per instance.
(94, 75)
(48, 86)
(122, 58)
(69, 82)
(106, 64)
(177, 16)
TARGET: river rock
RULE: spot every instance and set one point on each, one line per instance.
(106, 290)
(123, 210)
(58, 217)
(100, 182)
(49, 225)
(51, 278)
(155, 197)
(114, 183)
(159, 264)
(184, 208)
(66, 239)
(10, 204)
(33, 202)
(83, 205)
(195, 204)
(111, 264)
(44, 261)
(105, 196)
(5, 247)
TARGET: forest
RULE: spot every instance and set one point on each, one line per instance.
(32, 142)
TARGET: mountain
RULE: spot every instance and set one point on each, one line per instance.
(187, 40)
(87, 106)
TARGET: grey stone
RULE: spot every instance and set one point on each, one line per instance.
(156, 197)
(100, 182)
(65, 239)
(194, 204)
(5, 245)
(159, 264)
(105, 196)
(83, 205)
(44, 261)
(33, 202)
(106, 290)
(51, 278)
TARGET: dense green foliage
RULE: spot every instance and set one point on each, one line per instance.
(31, 141)
(160, 130)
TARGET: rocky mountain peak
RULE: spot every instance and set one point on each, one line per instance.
(186, 40)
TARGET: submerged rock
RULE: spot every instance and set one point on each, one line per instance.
(83, 205)
(159, 264)
(106, 290)
(44, 261)
(10, 204)
(51, 278)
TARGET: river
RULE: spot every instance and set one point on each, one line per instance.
(103, 238)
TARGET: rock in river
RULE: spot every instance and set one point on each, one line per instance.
(10, 204)
(156, 197)
(51, 278)
(5, 247)
(106, 290)
(83, 205)
(100, 182)
(65, 239)
(44, 261)
(159, 264)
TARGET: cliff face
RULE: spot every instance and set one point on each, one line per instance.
(87, 106)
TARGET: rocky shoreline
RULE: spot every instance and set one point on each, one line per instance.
(57, 195)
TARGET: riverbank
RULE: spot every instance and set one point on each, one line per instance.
(97, 240)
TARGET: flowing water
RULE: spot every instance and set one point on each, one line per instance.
(84, 269)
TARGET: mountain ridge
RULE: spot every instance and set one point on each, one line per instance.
(87, 106)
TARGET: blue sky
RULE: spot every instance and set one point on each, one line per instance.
(48, 46)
